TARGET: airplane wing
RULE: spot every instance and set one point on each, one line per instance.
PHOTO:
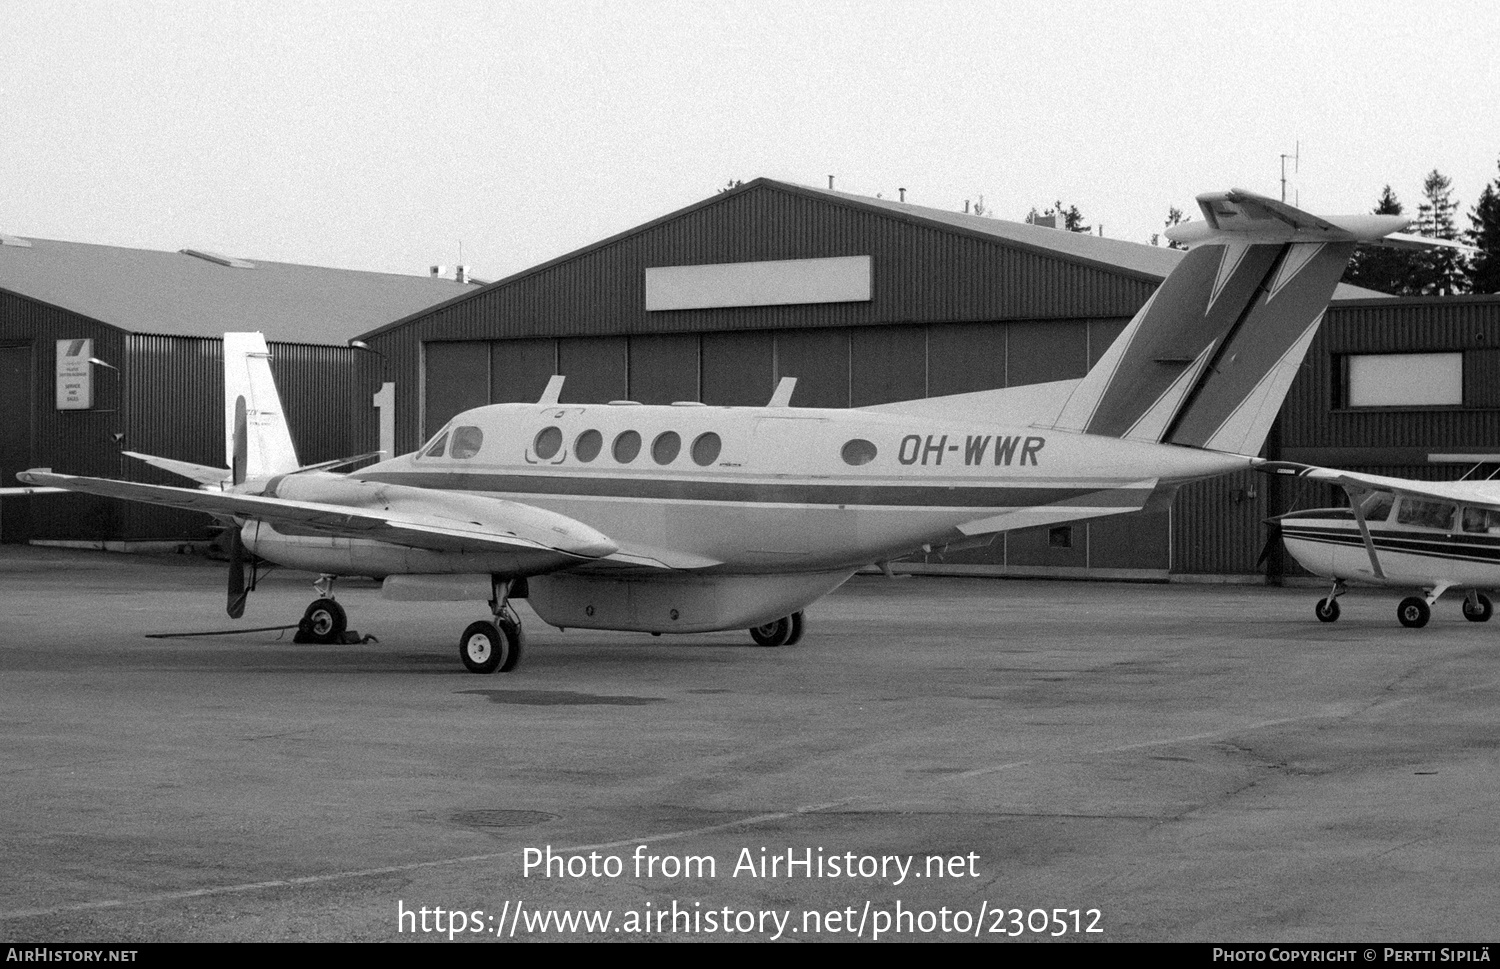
(1484, 493)
(572, 540)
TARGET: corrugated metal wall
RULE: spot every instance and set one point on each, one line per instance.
(922, 274)
(166, 398)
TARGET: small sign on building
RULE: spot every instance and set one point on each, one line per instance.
(75, 377)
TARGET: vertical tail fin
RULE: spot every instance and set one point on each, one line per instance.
(250, 400)
(1208, 360)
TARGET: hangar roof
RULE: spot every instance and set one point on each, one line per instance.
(204, 294)
(1145, 262)
(1135, 257)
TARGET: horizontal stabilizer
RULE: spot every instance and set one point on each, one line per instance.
(201, 473)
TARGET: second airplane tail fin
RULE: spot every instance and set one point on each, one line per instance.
(257, 440)
(1208, 360)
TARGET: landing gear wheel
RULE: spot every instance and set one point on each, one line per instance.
(798, 625)
(1413, 612)
(484, 648)
(324, 621)
(1480, 611)
(511, 628)
(773, 634)
(1327, 610)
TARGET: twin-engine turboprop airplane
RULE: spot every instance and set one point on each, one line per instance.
(686, 518)
(1401, 533)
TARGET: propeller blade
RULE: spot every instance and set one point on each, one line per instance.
(237, 591)
(1273, 541)
(241, 447)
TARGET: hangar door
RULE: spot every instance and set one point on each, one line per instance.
(15, 438)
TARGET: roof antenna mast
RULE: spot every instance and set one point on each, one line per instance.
(1296, 157)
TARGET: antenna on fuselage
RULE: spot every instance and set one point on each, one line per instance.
(783, 395)
(554, 390)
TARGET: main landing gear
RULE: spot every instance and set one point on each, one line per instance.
(489, 647)
(325, 620)
(786, 631)
(1413, 612)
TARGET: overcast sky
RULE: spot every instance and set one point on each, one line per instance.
(382, 135)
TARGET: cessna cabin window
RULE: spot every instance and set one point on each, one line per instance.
(706, 449)
(586, 446)
(1426, 514)
(627, 446)
(1482, 520)
(664, 449)
(435, 449)
(1379, 507)
(547, 443)
(466, 442)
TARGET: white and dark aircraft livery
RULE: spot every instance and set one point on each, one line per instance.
(688, 518)
(1399, 533)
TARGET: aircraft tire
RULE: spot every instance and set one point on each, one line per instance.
(1413, 612)
(484, 648)
(776, 633)
(324, 621)
(513, 631)
(1483, 613)
(1327, 610)
(798, 625)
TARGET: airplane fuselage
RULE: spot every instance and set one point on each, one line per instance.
(751, 490)
(1328, 542)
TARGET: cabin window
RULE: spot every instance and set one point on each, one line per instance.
(858, 452)
(627, 446)
(547, 443)
(587, 445)
(706, 449)
(1380, 508)
(466, 442)
(665, 448)
(1403, 380)
(1060, 536)
(1482, 520)
(435, 449)
(1426, 514)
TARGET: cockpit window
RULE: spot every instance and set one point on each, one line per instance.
(435, 449)
(466, 442)
(1426, 514)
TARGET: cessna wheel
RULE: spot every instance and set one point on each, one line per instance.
(773, 634)
(1327, 610)
(1480, 611)
(324, 621)
(798, 625)
(1413, 612)
(484, 648)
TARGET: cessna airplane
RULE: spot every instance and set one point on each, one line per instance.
(688, 518)
(1397, 532)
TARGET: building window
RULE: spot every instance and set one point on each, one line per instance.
(1403, 380)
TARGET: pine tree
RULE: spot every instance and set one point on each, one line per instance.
(1484, 235)
(1440, 272)
(1380, 268)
